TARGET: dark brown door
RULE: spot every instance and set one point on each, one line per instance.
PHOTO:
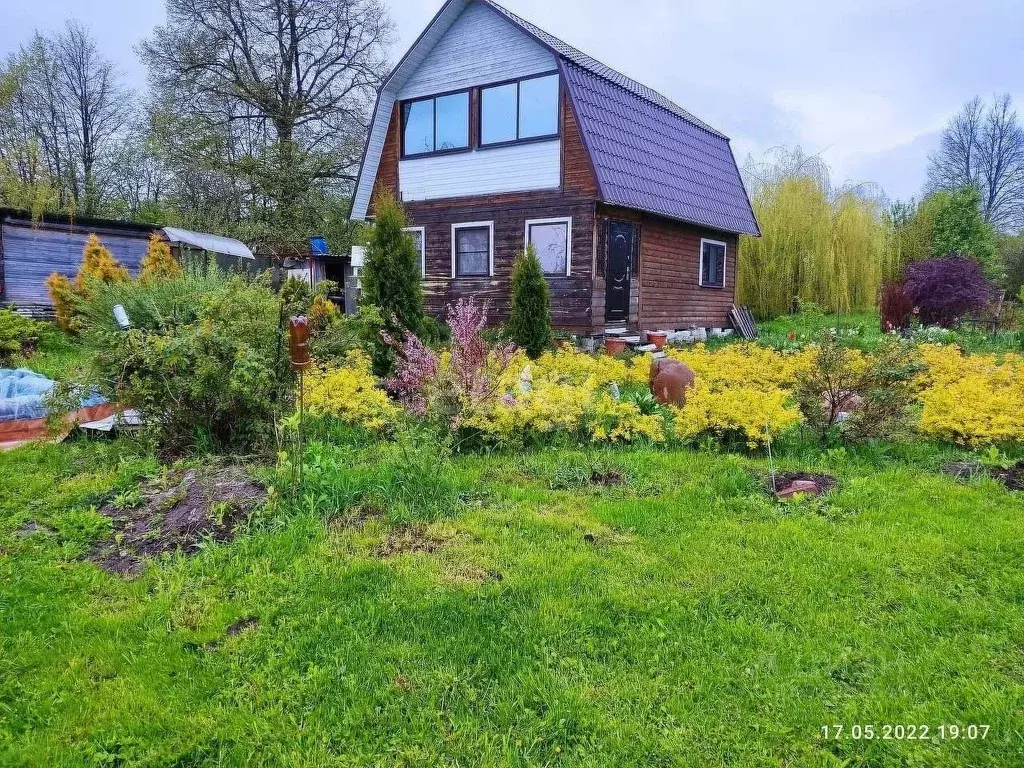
(621, 240)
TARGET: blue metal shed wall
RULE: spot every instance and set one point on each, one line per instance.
(31, 254)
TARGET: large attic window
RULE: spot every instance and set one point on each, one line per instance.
(521, 110)
(435, 124)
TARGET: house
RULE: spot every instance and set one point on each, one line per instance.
(31, 249)
(493, 133)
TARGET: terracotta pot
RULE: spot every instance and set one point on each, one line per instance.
(657, 339)
(614, 346)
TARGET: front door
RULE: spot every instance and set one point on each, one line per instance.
(621, 237)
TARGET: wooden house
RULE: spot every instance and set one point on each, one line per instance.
(493, 133)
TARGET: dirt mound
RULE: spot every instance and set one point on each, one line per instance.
(196, 506)
(785, 480)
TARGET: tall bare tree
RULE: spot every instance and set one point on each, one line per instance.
(70, 108)
(287, 84)
(96, 107)
(983, 147)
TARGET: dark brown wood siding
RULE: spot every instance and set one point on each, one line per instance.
(387, 171)
(571, 296)
(667, 290)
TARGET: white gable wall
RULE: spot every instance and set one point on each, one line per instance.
(480, 48)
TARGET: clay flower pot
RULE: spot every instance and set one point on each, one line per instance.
(657, 339)
(614, 346)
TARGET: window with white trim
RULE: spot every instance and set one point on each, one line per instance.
(473, 249)
(712, 263)
(552, 240)
(419, 239)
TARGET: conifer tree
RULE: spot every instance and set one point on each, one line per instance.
(98, 263)
(158, 263)
(391, 280)
(529, 324)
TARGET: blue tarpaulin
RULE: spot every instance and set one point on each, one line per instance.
(23, 394)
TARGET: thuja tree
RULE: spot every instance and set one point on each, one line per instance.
(529, 324)
(391, 281)
(158, 263)
(946, 290)
(98, 266)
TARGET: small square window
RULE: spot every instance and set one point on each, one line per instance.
(712, 264)
(471, 249)
(551, 238)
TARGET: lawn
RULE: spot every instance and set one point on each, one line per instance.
(505, 610)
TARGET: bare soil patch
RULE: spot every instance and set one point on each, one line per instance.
(404, 539)
(177, 518)
(1012, 477)
(609, 477)
(31, 528)
(824, 483)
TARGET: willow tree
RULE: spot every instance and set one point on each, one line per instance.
(817, 245)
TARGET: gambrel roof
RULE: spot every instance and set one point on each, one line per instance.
(648, 153)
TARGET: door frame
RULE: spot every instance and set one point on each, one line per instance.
(631, 264)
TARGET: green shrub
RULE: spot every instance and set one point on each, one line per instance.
(205, 361)
(529, 324)
(391, 281)
(881, 382)
(18, 335)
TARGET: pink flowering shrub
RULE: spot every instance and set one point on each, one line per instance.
(455, 384)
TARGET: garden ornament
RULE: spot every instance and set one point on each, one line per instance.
(298, 342)
(669, 381)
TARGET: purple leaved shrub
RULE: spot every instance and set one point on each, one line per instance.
(946, 290)
(895, 308)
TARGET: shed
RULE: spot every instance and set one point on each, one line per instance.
(31, 250)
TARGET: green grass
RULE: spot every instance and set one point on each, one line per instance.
(864, 332)
(680, 619)
(58, 356)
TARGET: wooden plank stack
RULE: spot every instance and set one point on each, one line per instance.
(743, 322)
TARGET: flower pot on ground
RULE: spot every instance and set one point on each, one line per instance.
(614, 346)
(657, 338)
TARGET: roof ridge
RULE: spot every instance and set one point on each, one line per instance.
(587, 62)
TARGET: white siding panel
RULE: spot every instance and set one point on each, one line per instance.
(374, 149)
(517, 168)
(479, 48)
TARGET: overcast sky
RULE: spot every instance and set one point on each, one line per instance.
(869, 84)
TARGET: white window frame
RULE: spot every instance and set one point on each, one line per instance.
(567, 220)
(423, 249)
(700, 262)
(490, 244)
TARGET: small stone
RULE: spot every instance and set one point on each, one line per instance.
(647, 348)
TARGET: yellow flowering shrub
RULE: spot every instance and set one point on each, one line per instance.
(574, 367)
(350, 394)
(972, 399)
(620, 421)
(741, 389)
(751, 411)
(744, 365)
(547, 408)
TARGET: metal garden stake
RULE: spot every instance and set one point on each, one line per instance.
(298, 350)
